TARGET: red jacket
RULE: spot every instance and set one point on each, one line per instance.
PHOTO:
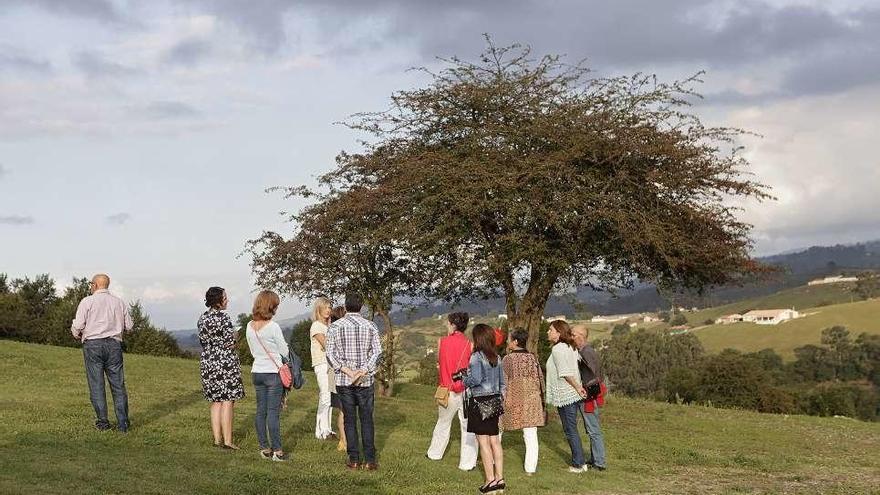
(453, 354)
(591, 406)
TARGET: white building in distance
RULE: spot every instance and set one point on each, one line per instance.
(770, 316)
(728, 319)
(833, 280)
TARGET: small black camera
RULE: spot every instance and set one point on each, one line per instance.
(458, 375)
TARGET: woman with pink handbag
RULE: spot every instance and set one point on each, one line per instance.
(267, 346)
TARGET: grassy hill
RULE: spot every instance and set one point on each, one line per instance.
(798, 298)
(47, 444)
(858, 317)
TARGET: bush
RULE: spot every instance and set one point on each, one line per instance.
(427, 370)
(620, 329)
(637, 363)
(678, 319)
(301, 342)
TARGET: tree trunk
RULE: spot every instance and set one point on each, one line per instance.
(387, 372)
(528, 311)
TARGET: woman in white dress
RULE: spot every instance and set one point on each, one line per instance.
(317, 336)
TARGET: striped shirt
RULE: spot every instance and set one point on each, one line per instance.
(353, 343)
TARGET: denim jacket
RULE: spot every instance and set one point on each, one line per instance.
(484, 379)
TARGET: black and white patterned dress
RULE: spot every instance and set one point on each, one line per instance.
(219, 364)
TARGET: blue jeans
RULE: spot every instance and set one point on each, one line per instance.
(597, 441)
(104, 356)
(569, 416)
(357, 402)
(269, 393)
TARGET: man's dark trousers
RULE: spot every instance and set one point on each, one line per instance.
(357, 402)
(105, 356)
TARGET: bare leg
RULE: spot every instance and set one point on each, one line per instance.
(498, 456)
(342, 446)
(486, 456)
(227, 423)
(216, 427)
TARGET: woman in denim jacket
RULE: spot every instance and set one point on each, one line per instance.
(485, 382)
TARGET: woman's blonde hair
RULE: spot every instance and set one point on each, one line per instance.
(265, 305)
(320, 304)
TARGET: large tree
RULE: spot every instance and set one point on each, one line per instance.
(529, 176)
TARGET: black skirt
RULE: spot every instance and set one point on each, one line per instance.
(334, 401)
(475, 422)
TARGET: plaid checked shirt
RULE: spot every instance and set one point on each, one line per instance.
(353, 343)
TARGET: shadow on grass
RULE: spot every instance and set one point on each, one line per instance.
(166, 408)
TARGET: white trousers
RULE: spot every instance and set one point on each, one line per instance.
(530, 437)
(440, 438)
(322, 418)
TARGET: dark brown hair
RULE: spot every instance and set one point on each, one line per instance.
(459, 320)
(564, 330)
(265, 305)
(337, 314)
(214, 297)
(484, 341)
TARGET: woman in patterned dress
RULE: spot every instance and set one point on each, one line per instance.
(524, 402)
(219, 366)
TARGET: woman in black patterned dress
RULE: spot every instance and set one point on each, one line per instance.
(219, 365)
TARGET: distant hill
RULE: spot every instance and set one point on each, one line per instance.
(796, 269)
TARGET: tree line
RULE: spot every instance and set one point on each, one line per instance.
(841, 376)
(32, 311)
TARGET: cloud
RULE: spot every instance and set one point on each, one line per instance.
(118, 219)
(188, 53)
(16, 220)
(3, 170)
(94, 64)
(100, 10)
(164, 110)
(14, 61)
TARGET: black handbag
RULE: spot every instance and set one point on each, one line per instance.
(490, 407)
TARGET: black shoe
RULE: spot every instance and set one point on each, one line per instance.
(103, 426)
(498, 484)
(490, 488)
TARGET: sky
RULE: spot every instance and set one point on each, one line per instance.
(137, 138)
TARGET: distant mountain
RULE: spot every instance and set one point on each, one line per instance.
(797, 268)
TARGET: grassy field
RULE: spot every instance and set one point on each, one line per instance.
(858, 317)
(799, 298)
(47, 444)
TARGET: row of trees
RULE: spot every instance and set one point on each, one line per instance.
(518, 176)
(31, 311)
(839, 377)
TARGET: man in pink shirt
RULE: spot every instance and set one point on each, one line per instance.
(453, 354)
(100, 320)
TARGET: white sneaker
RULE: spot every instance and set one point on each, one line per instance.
(572, 469)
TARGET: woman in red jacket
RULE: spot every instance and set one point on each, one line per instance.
(453, 354)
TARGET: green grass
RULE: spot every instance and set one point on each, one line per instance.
(858, 317)
(47, 444)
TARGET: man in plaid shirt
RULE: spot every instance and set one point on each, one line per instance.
(353, 351)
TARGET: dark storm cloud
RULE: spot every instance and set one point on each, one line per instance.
(822, 43)
(94, 64)
(16, 220)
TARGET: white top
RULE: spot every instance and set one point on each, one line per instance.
(563, 362)
(274, 341)
(318, 354)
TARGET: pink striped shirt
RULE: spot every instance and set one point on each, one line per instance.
(99, 316)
